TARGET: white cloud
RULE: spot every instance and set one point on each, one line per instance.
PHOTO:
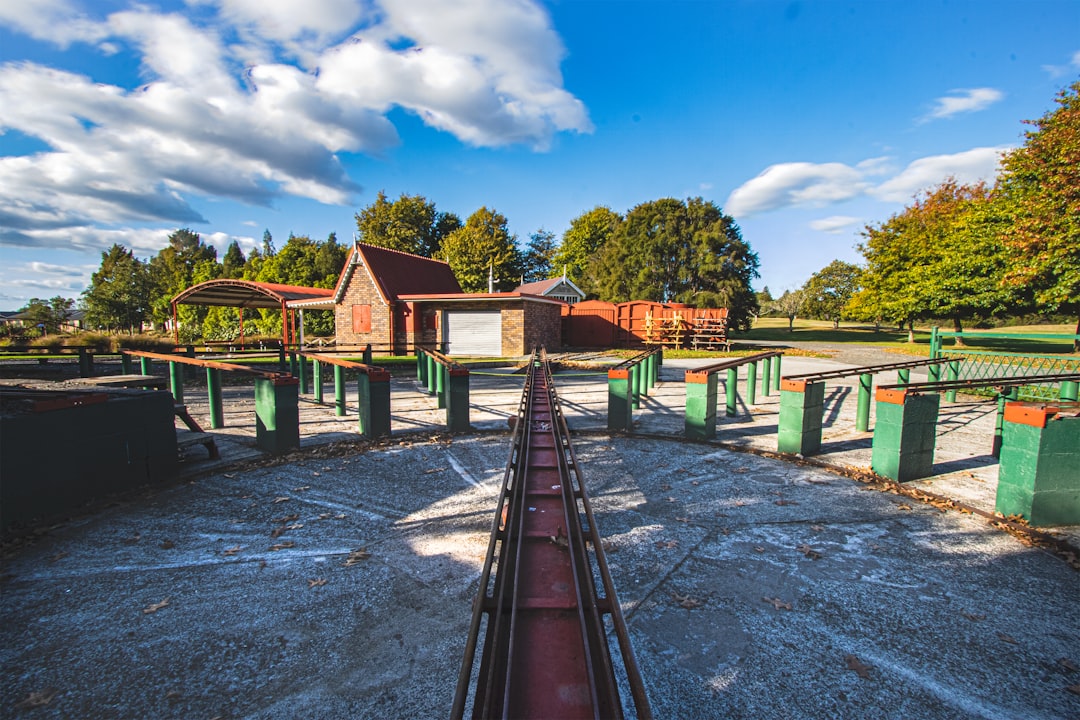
(963, 101)
(799, 184)
(1057, 71)
(834, 224)
(241, 120)
(967, 167)
(796, 183)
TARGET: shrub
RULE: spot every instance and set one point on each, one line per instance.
(99, 342)
(147, 343)
(50, 343)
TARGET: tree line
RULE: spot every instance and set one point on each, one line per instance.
(665, 250)
(970, 252)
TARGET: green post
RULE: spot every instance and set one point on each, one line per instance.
(303, 375)
(700, 422)
(903, 376)
(441, 385)
(367, 354)
(1037, 474)
(277, 414)
(635, 400)
(281, 359)
(316, 379)
(421, 367)
(934, 373)
(432, 374)
(766, 376)
(652, 370)
(620, 413)
(86, 363)
(776, 373)
(457, 407)
(213, 392)
(1068, 390)
(935, 342)
(125, 364)
(145, 366)
(802, 407)
(731, 391)
(952, 373)
(751, 383)
(905, 432)
(999, 421)
(339, 390)
(176, 381)
(378, 420)
(643, 378)
(294, 370)
(862, 411)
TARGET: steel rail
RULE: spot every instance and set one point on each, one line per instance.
(545, 650)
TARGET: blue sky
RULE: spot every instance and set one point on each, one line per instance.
(122, 121)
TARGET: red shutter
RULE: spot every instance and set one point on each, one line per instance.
(361, 318)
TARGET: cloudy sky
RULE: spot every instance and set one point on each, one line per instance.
(121, 121)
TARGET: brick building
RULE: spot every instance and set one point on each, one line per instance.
(394, 300)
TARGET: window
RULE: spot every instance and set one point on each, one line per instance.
(361, 318)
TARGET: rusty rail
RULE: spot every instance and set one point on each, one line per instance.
(545, 650)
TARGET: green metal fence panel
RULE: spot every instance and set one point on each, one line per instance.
(989, 364)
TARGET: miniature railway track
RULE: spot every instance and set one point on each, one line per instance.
(539, 617)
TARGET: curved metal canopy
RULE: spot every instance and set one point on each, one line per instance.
(248, 294)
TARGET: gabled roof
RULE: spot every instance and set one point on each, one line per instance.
(544, 287)
(247, 294)
(479, 297)
(397, 273)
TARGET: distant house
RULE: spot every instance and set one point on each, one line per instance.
(559, 288)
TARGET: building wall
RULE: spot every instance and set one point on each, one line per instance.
(361, 291)
(543, 326)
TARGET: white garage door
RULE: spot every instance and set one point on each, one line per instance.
(474, 333)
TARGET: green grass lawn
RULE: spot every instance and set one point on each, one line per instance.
(776, 330)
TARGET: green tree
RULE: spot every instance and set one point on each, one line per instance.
(582, 240)
(232, 265)
(673, 251)
(538, 254)
(765, 300)
(48, 315)
(829, 290)
(118, 296)
(941, 257)
(481, 246)
(410, 224)
(789, 305)
(173, 270)
(1040, 189)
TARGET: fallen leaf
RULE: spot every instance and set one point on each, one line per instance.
(667, 544)
(59, 556)
(283, 545)
(739, 503)
(608, 546)
(903, 506)
(276, 532)
(777, 603)
(302, 488)
(325, 516)
(287, 518)
(281, 499)
(1007, 638)
(671, 500)
(340, 516)
(294, 526)
(167, 545)
(686, 601)
(759, 549)
(434, 470)
(317, 582)
(695, 483)
(785, 502)
(817, 528)
(1068, 665)
(853, 663)
(809, 552)
(153, 608)
(682, 519)
(356, 557)
(230, 475)
(231, 551)
(973, 617)
(133, 539)
(742, 469)
(1074, 689)
(37, 699)
(315, 473)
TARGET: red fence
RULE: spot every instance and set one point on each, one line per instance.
(594, 323)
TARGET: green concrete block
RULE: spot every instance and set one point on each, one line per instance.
(700, 423)
(277, 415)
(904, 438)
(1039, 474)
(620, 414)
(800, 421)
(1060, 507)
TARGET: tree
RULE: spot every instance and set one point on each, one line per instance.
(789, 305)
(173, 270)
(828, 291)
(410, 224)
(308, 263)
(50, 314)
(673, 251)
(536, 260)
(1040, 188)
(481, 246)
(940, 257)
(118, 296)
(587, 233)
(232, 265)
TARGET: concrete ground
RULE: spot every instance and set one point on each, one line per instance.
(338, 582)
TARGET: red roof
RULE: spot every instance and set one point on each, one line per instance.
(539, 287)
(231, 292)
(397, 273)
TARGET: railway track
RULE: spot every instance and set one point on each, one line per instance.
(546, 604)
